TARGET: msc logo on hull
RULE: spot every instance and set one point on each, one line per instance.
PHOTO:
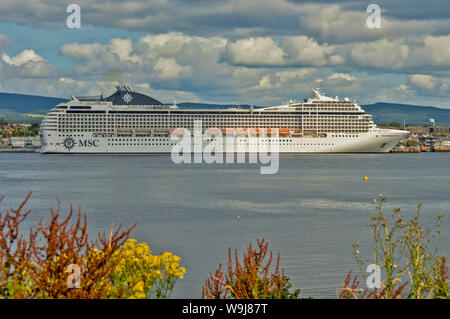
(69, 143)
(88, 143)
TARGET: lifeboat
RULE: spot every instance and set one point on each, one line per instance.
(161, 132)
(212, 131)
(228, 131)
(254, 131)
(284, 131)
(143, 129)
(241, 131)
(178, 131)
(123, 131)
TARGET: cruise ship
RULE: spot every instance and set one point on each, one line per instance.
(131, 122)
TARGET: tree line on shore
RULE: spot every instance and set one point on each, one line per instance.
(17, 130)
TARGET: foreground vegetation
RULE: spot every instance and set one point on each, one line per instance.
(254, 278)
(408, 255)
(56, 260)
(406, 252)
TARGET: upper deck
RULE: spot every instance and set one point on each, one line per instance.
(129, 101)
(318, 115)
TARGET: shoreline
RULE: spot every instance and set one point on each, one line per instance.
(19, 150)
(37, 150)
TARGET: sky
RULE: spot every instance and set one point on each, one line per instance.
(257, 52)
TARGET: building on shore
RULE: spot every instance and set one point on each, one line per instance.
(20, 142)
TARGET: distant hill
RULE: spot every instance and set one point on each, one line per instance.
(25, 108)
(30, 108)
(412, 114)
(22, 103)
(382, 113)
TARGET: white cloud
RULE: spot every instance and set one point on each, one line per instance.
(428, 85)
(265, 83)
(168, 57)
(296, 75)
(341, 81)
(343, 76)
(306, 51)
(293, 51)
(169, 69)
(199, 53)
(333, 24)
(23, 57)
(438, 49)
(278, 85)
(178, 44)
(286, 82)
(381, 54)
(123, 48)
(432, 51)
(254, 52)
(423, 81)
(81, 51)
(254, 70)
(27, 64)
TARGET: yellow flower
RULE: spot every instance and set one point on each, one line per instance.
(138, 271)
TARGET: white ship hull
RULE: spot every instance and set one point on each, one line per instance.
(379, 141)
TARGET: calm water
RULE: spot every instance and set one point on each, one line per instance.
(311, 211)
